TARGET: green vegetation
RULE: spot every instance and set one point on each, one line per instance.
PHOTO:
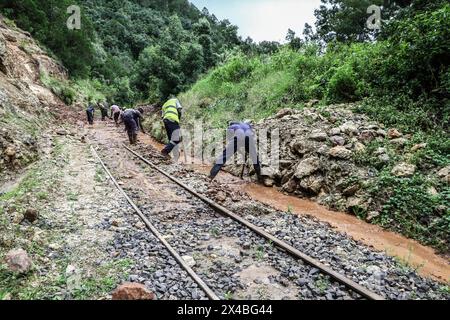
(260, 252)
(400, 80)
(410, 208)
(322, 284)
(228, 295)
(136, 50)
(46, 21)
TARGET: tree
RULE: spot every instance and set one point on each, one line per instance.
(294, 42)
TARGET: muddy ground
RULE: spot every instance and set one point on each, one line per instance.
(88, 240)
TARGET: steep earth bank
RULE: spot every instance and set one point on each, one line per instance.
(27, 106)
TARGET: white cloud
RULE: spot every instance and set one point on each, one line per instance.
(264, 19)
(270, 20)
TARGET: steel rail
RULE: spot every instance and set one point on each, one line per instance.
(281, 244)
(156, 233)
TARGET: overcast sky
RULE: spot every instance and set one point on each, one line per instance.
(263, 19)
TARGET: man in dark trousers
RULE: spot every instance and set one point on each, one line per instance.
(240, 137)
(115, 113)
(103, 109)
(133, 122)
(171, 114)
(90, 113)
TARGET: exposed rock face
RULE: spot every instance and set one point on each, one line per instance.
(18, 261)
(341, 153)
(307, 167)
(404, 170)
(132, 291)
(444, 174)
(22, 95)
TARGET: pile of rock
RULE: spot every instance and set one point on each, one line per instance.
(319, 151)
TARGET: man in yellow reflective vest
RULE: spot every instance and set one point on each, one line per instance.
(171, 114)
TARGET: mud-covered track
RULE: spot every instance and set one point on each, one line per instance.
(279, 243)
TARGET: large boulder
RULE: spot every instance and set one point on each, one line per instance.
(312, 184)
(132, 291)
(340, 152)
(394, 134)
(444, 174)
(18, 261)
(283, 113)
(307, 167)
(404, 170)
(367, 136)
(338, 140)
(349, 128)
(301, 147)
(318, 136)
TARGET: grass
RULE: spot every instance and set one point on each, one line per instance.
(106, 279)
(29, 183)
(228, 296)
(99, 174)
(260, 252)
(322, 285)
(215, 232)
(72, 196)
(70, 91)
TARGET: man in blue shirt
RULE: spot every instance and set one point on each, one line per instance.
(133, 123)
(240, 137)
(90, 114)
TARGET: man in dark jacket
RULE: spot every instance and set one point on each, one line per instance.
(133, 123)
(103, 109)
(240, 137)
(90, 114)
(115, 113)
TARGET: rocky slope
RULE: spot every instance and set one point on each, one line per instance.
(26, 105)
(342, 159)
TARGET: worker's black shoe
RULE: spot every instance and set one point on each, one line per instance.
(260, 179)
(165, 154)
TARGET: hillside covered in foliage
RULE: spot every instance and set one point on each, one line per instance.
(134, 50)
(398, 76)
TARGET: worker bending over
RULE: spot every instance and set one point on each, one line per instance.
(133, 123)
(171, 114)
(115, 113)
(103, 106)
(240, 137)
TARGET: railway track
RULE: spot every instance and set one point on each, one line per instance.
(279, 244)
